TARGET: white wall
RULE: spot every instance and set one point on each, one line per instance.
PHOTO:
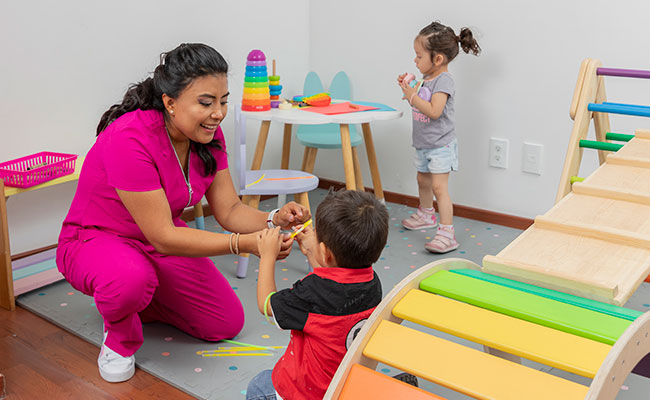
(64, 63)
(519, 88)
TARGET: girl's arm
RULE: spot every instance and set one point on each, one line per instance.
(269, 243)
(432, 109)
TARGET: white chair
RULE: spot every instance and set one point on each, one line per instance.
(255, 183)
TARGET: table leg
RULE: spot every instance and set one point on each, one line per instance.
(261, 144)
(309, 159)
(372, 161)
(348, 163)
(357, 169)
(199, 218)
(6, 274)
(286, 146)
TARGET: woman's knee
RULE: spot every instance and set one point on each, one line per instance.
(219, 326)
(127, 293)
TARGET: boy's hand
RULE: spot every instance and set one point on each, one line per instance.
(269, 243)
(307, 240)
(285, 246)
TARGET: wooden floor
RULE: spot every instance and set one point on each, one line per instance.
(40, 360)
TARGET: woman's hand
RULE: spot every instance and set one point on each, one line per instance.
(291, 214)
(269, 243)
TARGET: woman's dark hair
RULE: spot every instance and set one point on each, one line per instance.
(177, 69)
(354, 226)
(438, 38)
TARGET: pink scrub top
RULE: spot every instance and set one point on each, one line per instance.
(135, 154)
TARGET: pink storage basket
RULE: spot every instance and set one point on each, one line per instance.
(41, 167)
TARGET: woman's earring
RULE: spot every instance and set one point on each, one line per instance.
(171, 112)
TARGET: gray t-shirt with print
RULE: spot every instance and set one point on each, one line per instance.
(434, 133)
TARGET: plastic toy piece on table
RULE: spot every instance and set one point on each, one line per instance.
(318, 100)
(285, 105)
(257, 96)
(275, 88)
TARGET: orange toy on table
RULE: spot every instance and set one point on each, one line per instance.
(318, 100)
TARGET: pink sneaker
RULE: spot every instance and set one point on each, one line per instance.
(443, 242)
(422, 219)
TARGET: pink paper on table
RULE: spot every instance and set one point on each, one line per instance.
(339, 108)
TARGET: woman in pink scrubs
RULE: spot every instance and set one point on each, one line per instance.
(157, 152)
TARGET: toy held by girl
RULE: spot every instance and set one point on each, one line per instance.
(434, 135)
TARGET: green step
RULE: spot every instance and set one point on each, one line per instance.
(621, 137)
(593, 144)
(610, 309)
(529, 307)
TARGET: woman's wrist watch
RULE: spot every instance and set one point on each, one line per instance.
(269, 219)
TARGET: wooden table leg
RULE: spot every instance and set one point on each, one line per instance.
(261, 145)
(358, 178)
(6, 274)
(286, 146)
(309, 159)
(372, 161)
(348, 163)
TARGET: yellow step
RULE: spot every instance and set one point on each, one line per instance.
(515, 336)
(474, 373)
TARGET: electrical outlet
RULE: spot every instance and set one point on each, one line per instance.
(498, 153)
(532, 161)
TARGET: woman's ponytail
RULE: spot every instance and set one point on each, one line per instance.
(138, 96)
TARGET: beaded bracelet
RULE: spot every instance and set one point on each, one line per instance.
(269, 219)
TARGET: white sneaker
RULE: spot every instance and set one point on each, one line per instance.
(114, 367)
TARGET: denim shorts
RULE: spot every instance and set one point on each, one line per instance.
(437, 161)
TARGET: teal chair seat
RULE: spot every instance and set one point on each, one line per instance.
(326, 136)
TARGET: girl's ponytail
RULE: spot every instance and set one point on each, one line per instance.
(468, 43)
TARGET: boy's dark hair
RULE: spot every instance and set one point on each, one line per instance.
(438, 38)
(354, 226)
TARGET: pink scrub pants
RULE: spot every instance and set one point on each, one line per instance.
(132, 283)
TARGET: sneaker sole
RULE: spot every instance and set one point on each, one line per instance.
(420, 227)
(115, 378)
(436, 251)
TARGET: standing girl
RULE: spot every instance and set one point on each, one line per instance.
(434, 136)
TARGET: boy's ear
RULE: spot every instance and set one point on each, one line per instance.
(327, 257)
